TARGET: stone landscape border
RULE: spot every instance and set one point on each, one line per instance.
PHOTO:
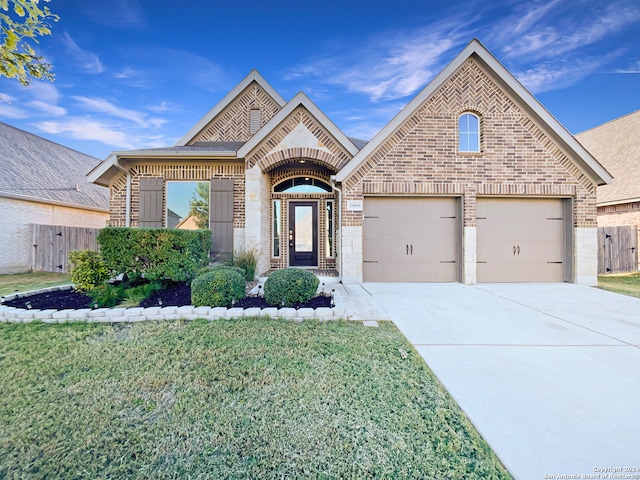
(140, 314)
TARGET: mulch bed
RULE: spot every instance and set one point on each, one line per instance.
(175, 295)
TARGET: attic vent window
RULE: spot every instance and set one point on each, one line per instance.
(254, 122)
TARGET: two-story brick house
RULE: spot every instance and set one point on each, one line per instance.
(473, 181)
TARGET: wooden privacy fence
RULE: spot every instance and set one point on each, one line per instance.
(617, 250)
(51, 244)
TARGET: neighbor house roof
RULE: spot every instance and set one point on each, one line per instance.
(584, 160)
(36, 169)
(616, 145)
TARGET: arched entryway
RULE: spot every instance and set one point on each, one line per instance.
(303, 216)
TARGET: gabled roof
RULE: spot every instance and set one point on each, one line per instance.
(299, 100)
(254, 76)
(585, 160)
(616, 145)
(36, 169)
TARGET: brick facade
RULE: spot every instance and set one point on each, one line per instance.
(517, 157)
(188, 171)
(232, 124)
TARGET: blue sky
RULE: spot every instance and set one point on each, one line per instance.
(139, 73)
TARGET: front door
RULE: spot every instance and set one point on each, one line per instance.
(303, 234)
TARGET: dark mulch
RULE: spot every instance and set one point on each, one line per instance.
(177, 295)
(59, 300)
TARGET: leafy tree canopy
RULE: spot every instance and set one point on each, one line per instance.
(21, 23)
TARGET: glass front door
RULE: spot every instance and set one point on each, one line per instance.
(303, 234)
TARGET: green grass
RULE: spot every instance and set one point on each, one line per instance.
(245, 398)
(625, 284)
(31, 281)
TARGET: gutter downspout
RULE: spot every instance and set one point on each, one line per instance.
(127, 221)
(332, 179)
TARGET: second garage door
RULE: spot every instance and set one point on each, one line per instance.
(521, 240)
(411, 239)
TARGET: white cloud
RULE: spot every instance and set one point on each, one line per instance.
(44, 92)
(551, 30)
(116, 13)
(83, 128)
(47, 108)
(86, 60)
(390, 66)
(100, 105)
(9, 111)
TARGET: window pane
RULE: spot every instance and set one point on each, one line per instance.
(469, 133)
(276, 228)
(302, 185)
(329, 225)
(304, 229)
(188, 205)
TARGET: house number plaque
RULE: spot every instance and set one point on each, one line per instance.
(354, 205)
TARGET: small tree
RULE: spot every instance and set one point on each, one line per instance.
(199, 206)
(22, 22)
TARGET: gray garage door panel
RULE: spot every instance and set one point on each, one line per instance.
(411, 239)
(520, 240)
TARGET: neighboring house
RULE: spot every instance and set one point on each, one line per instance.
(42, 183)
(473, 181)
(616, 145)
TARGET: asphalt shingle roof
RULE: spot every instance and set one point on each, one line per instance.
(616, 145)
(34, 167)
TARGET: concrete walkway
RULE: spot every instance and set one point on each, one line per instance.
(548, 374)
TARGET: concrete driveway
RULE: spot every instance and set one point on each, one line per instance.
(548, 373)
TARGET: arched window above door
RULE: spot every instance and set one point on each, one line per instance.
(302, 185)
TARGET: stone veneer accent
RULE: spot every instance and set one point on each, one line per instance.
(586, 256)
(267, 157)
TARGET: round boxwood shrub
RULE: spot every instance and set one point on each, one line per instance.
(213, 268)
(218, 288)
(88, 269)
(290, 286)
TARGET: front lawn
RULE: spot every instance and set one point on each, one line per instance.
(247, 398)
(625, 284)
(31, 281)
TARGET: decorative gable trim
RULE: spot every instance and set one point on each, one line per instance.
(409, 114)
(254, 76)
(300, 100)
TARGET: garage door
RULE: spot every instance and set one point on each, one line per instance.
(409, 239)
(520, 240)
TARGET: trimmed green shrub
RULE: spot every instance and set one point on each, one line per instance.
(133, 296)
(107, 295)
(218, 288)
(290, 286)
(213, 268)
(247, 259)
(87, 269)
(155, 253)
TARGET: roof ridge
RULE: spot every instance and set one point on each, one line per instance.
(609, 121)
